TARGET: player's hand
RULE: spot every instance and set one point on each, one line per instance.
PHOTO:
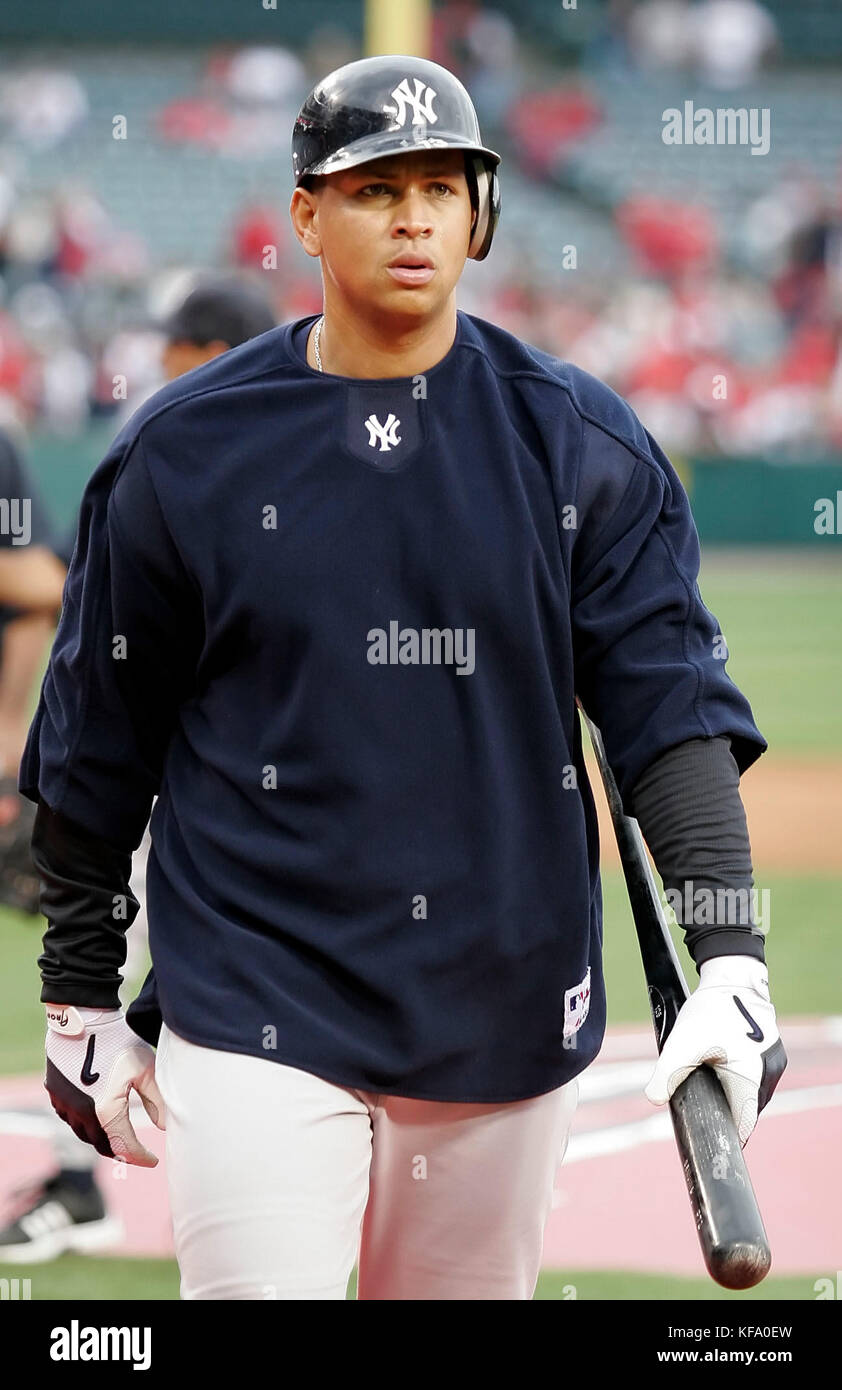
(729, 1022)
(93, 1062)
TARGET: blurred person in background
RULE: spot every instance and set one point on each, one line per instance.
(43, 106)
(491, 62)
(660, 35)
(731, 40)
(31, 580)
(65, 1209)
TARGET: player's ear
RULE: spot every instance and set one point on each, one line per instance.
(303, 211)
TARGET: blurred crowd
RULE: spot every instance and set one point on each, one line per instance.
(724, 43)
(718, 354)
(715, 358)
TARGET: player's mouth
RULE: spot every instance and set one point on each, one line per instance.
(410, 269)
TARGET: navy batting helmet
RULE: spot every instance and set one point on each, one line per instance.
(390, 105)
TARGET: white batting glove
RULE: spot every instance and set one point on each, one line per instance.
(730, 1022)
(94, 1059)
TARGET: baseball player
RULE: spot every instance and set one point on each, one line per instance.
(65, 1209)
(334, 598)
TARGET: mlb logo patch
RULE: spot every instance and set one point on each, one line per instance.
(577, 1001)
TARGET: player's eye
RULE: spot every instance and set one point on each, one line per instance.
(442, 188)
(374, 188)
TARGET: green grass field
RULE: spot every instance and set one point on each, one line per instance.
(782, 618)
(781, 615)
(158, 1279)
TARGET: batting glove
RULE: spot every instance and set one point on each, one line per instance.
(729, 1022)
(93, 1062)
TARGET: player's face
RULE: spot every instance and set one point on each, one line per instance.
(393, 234)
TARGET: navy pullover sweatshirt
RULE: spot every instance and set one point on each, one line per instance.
(338, 627)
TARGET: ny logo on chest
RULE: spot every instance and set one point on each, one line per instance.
(384, 424)
(386, 434)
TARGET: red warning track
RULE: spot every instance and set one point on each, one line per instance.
(620, 1202)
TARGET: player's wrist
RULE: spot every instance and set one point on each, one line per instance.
(734, 971)
(74, 1019)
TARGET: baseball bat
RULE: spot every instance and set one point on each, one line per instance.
(728, 1221)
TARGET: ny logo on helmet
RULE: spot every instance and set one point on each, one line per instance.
(421, 101)
(385, 433)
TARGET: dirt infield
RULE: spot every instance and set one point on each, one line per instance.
(794, 811)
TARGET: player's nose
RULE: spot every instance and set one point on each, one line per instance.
(413, 215)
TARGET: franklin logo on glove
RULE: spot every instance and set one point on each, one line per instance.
(100, 1113)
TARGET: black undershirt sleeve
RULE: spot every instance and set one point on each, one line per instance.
(690, 813)
(88, 904)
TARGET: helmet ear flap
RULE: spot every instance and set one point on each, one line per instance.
(484, 187)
